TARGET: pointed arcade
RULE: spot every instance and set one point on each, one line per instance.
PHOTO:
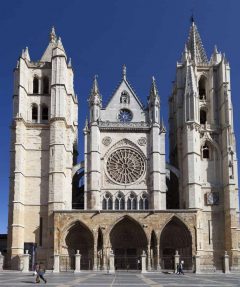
(195, 46)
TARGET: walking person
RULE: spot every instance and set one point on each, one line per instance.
(180, 268)
(40, 269)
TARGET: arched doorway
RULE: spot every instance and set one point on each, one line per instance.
(80, 238)
(128, 241)
(175, 236)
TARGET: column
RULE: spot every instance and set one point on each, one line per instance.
(197, 263)
(143, 258)
(149, 259)
(176, 261)
(56, 264)
(77, 262)
(226, 263)
(104, 259)
(111, 262)
(158, 258)
(25, 259)
(95, 251)
(1, 261)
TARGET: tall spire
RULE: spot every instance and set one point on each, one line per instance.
(195, 46)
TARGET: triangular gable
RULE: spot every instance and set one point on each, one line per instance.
(131, 91)
(116, 104)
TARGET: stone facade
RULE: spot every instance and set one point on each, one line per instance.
(124, 201)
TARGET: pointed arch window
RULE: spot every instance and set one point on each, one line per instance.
(46, 85)
(132, 202)
(205, 151)
(125, 98)
(107, 202)
(119, 202)
(143, 202)
(34, 113)
(202, 88)
(35, 85)
(203, 117)
(44, 113)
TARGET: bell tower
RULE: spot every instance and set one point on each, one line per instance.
(202, 145)
(43, 148)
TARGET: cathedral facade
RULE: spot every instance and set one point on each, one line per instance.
(124, 199)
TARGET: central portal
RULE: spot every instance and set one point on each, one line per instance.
(128, 241)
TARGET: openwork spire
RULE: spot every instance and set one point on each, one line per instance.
(195, 46)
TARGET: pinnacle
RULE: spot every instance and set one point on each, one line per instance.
(53, 36)
(153, 90)
(153, 95)
(70, 63)
(95, 97)
(124, 72)
(95, 89)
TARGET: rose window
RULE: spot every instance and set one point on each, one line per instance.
(125, 166)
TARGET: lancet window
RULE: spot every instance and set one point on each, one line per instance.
(120, 202)
(107, 202)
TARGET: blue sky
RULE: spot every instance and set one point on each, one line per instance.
(100, 36)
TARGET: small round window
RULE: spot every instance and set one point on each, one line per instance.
(125, 116)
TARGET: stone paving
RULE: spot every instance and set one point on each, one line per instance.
(87, 279)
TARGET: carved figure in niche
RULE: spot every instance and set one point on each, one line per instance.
(124, 99)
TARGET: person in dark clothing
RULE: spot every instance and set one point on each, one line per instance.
(40, 269)
(180, 268)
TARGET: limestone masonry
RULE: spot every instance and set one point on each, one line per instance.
(124, 207)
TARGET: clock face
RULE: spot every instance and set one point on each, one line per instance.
(125, 116)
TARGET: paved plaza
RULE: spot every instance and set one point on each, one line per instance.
(121, 279)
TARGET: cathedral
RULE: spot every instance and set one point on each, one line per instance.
(124, 201)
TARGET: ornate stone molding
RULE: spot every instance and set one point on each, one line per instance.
(125, 125)
(142, 141)
(106, 141)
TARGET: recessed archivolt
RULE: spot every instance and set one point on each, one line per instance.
(202, 75)
(125, 217)
(124, 143)
(177, 218)
(65, 231)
